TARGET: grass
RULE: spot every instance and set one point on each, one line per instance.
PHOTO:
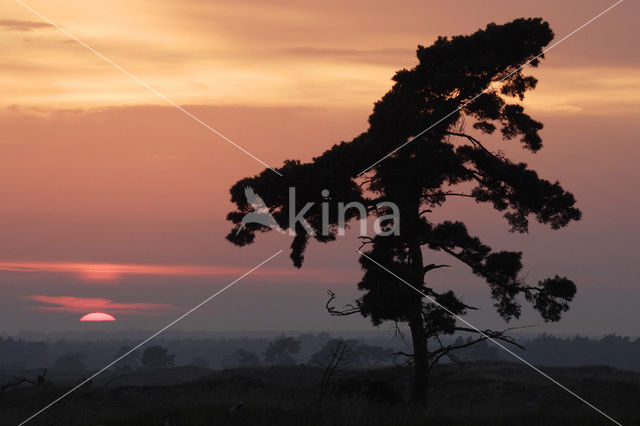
(479, 394)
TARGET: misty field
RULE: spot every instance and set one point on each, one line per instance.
(478, 393)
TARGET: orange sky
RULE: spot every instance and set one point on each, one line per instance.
(97, 169)
(285, 52)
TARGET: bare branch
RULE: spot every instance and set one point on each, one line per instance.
(434, 266)
(365, 241)
(473, 140)
(495, 335)
(361, 184)
(443, 351)
(457, 194)
(347, 309)
(400, 334)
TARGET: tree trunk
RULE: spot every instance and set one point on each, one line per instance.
(411, 221)
(419, 391)
(420, 358)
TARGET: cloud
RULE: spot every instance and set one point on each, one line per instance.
(114, 271)
(324, 54)
(74, 304)
(17, 25)
(391, 56)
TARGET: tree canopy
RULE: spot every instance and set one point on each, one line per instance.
(449, 160)
(157, 357)
(281, 351)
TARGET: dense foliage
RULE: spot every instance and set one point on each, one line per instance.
(428, 169)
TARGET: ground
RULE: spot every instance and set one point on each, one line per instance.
(476, 393)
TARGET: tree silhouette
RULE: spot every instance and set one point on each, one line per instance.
(447, 161)
(129, 362)
(157, 357)
(281, 351)
(200, 362)
(351, 353)
(70, 361)
(244, 358)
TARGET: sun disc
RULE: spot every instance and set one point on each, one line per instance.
(97, 316)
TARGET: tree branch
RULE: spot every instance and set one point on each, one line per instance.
(348, 309)
(433, 266)
(457, 194)
(365, 241)
(473, 140)
(496, 335)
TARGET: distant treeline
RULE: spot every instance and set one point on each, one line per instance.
(611, 350)
(214, 353)
(218, 353)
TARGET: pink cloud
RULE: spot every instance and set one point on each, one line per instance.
(113, 271)
(90, 304)
(17, 25)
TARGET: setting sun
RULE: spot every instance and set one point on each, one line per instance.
(97, 316)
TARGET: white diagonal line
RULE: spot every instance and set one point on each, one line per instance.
(487, 89)
(154, 335)
(141, 82)
(431, 299)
